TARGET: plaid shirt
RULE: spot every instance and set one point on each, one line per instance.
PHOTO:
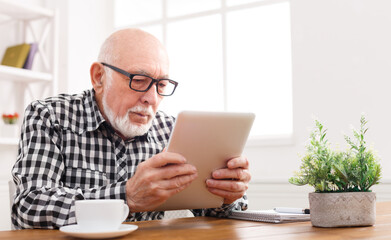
(69, 152)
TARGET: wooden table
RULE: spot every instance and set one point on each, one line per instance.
(204, 228)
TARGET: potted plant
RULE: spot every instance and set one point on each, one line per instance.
(342, 180)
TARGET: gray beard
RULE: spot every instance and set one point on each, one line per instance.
(123, 125)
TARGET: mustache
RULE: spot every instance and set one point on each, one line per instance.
(142, 110)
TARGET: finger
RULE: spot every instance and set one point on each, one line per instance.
(229, 197)
(164, 158)
(238, 174)
(174, 191)
(179, 182)
(164, 194)
(175, 170)
(238, 162)
(227, 185)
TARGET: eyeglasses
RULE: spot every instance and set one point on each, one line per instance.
(142, 83)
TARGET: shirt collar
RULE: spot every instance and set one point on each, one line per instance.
(94, 116)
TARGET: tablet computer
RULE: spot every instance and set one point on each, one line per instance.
(207, 140)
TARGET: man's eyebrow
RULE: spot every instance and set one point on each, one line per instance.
(142, 72)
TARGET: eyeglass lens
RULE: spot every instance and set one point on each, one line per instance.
(141, 83)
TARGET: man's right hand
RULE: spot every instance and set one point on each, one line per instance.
(157, 179)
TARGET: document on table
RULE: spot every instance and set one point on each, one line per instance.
(270, 216)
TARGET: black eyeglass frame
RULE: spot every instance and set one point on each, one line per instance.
(154, 80)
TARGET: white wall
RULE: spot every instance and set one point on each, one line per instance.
(89, 25)
(83, 27)
(341, 67)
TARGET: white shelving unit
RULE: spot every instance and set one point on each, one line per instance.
(24, 23)
(39, 25)
(9, 141)
(23, 75)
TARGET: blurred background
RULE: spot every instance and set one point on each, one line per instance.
(288, 61)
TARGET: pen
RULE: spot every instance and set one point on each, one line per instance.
(292, 210)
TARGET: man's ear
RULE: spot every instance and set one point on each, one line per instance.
(97, 72)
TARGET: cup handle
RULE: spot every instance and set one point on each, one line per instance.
(126, 212)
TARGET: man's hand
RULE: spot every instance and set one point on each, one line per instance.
(230, 183)
(157, 179)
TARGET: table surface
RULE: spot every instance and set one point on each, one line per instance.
(218, 228)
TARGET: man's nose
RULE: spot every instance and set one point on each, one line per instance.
(151, 96)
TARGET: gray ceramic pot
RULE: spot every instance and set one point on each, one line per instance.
(343, 209)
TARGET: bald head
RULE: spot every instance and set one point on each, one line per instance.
(130, 43)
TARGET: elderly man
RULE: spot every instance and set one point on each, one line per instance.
(108, 143)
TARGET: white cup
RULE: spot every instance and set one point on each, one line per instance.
(101, 214)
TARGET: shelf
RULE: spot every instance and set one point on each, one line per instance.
(27, 30)
(19, 11)
(23, 75)
(9, 141)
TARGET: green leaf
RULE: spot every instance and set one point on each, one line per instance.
(357, 169)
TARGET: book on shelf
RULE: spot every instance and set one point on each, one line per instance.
(270, 216)
(15, 56)
(28, 64)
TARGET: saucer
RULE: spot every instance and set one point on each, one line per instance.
(75, 231)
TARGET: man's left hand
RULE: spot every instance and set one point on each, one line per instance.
(231, 182)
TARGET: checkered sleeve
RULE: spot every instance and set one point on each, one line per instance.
(224, 211)
(42, 200)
